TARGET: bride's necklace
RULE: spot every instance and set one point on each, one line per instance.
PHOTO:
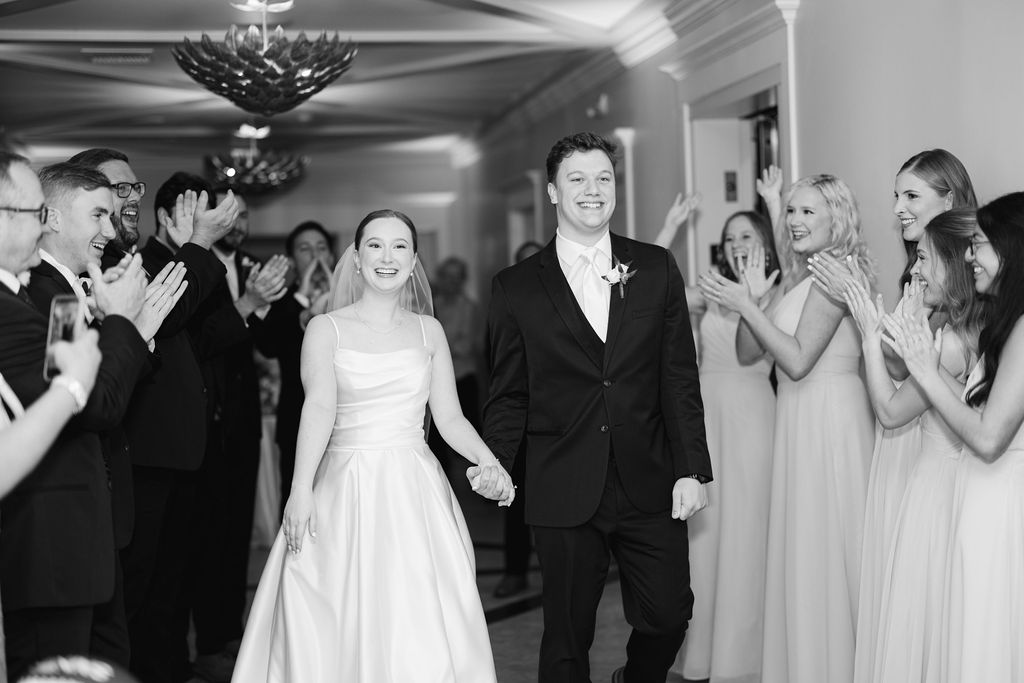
(375, 329)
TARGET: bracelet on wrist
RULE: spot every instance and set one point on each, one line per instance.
(73, 387)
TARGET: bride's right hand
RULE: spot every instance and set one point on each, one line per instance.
(299, 514)
(493, 482)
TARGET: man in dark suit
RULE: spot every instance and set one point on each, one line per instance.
(592, 356)
(311, 249)
(57, 547)
(79, 229)
(223, 334)
(165, 422)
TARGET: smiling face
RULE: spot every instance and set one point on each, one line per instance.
(125, 216)
(740, 237)
(584, 195)
(984, 261)
(82, 228)
(916, 203)
(809, 221)
(931, 272)
(385, 254)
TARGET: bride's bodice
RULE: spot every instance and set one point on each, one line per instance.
(381, 397)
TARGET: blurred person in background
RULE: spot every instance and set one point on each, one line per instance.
(460, 318)
(311, 250)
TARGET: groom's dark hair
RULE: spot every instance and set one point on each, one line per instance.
(579, 142)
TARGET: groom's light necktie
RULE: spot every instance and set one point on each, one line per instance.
(590, 290)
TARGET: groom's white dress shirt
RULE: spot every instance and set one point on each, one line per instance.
(583, 267)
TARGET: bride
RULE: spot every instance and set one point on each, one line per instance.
(373, 577)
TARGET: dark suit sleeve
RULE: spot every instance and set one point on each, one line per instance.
(505, 412)
(125, 358)
(203, 272)
(220, 329)
(681, 403)
(280, 325)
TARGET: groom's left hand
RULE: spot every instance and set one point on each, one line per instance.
(688, 497)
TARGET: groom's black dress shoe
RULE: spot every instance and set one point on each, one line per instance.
(511, 584)
(619, 675)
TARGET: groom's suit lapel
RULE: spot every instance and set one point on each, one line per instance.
(617, 305)
(561, 295)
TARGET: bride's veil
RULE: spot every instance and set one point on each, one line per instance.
(347, 286)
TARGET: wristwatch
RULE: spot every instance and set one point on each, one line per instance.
(75, 388)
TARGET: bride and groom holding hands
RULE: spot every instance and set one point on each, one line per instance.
(592, 362)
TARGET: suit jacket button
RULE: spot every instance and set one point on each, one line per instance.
(606, 383)
(604, 428)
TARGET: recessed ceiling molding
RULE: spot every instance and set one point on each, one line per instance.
(535, 15)
(642, 38)
(362, 37)
(711, 47)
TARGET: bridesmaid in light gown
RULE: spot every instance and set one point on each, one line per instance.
(927, 184)
(986, 612)
(823, 439)
(913, 599)
(372, 578)
(727, 541)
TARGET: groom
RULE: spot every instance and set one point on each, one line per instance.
(592, 357)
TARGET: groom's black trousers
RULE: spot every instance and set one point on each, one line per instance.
(654, 572)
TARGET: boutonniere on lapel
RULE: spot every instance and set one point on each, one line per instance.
(620, 275)
(247, 265)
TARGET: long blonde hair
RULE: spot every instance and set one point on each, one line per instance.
(845, 233)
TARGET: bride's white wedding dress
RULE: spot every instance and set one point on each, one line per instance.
(387, 591)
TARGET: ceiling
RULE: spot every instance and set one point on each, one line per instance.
(75, 72)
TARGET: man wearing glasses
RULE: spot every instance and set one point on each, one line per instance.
(128, 193)
(57, 555)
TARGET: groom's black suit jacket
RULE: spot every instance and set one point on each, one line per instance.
(580, 401)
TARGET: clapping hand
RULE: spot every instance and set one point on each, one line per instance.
(179, 226)
(751, 270)
(122, 292)
(266, 284)
(162, 295)
(832, 275)
(490, 480)
(209, 225)
(912, 303)
(911, 338)
(723, 291)
(308, 286)
(868, 314)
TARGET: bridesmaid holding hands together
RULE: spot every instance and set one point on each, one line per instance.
(823, 436)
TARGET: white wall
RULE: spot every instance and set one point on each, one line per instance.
(880, 80)
(720, 145)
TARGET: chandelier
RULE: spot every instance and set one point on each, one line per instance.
(249, 171)
(264, 73)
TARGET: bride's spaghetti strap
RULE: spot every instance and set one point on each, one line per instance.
(423, 330)
(337, 332)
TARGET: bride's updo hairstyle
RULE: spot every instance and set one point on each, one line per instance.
(385, 213)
